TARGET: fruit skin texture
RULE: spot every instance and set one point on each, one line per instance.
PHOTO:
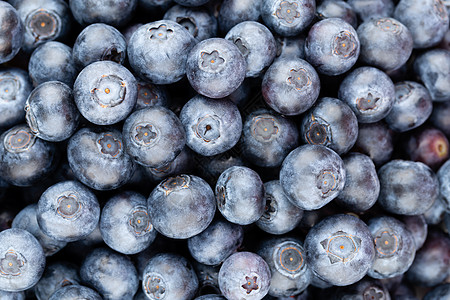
(11, 33)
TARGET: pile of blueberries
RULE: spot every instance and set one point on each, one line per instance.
(224, 149)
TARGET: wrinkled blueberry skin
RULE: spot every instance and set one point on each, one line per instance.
(267, 138)
(150, 95)
(182, 164)
(433, 69)
(362, 185)
(428, 145)
(51, 112)
(233, 12)
(198, 21)
(412, 106)
(212, 126)
(164, 140)
(332, 46)
(56, 214)
(181, 206)
(56, 276)
(215, 68)
(256, 43)
(240, 195)
(407, 187)
(312, 176)
(330, 122)
(216, 243)
(376, 141)
(12, 295)
(112, 274)
(54, 13)
(244, 275)
(99, 42)
(125, 224)
(26, 219)
(15, 87)
(157, 51)
(439, 292)
(369, 92)
(288, 18)
(430, 267)
(105, 92)
(75, 292)
(337, 9)
(52, 61)
(11, 33)
(290, 86)
(426, 20)
(23, 260)
(385, 43)
(372, 9)
(394, 245)
(280, 215)
(288, 265)
(326, 246)
(24, 158)
(98, 158)
(418, 226)
(112, 12)
(169, 276)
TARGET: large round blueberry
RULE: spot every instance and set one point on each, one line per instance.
(114, 12)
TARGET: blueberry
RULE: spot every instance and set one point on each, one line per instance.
(288, 18)
(244, 275)
(75, 292)
(369, 92)
(12, 295)
(114, 12)
(169, 276)
(337, 9)
(113, 275)
(367, 10)
(150, 95)
(312, 176)
(99, 42)
(56, 276)
(181, 206)
(157, 51)
(216, 243)
(340, 249)
(240, 195)
(366, 289)
(233, 12)
(433, 69)
(418, 226)
(105, 92)
(330, 122)
(212, 126)
(153, 136)
(197, 20)
(210, 297)
(26, 219)
(407, 187)
(210, 168)
(191, 2)
(385, 43)
(376, 141)
(426, 20)
(435, 214)
(443, 175)
(291, 46)
(440, 117)
(288, 264)
(12, 32)
(280, 215)
(22, 260)
(68, 211)
(332, 46)
(256, 43)
(24, 158)
(362, 185)
(267, 138)
(15, 86)
(125, 224)
(290, 86)
(441, 291)
(98, 158)
(51, 112)
(215, 67)
(52, 61)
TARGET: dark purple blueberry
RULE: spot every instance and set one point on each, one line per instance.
(114, 12)
(418, 226)
(290, 86)
(369, 92)
(340, 249)
(215, 67)
(150, 95)
(312, 176)
(191, 2)
(372, 9)
(376, 141)
(439, 292)
(11, 33)
(332, 46)
(292, 46)
(440, 116)
(240, 195)
(15, 295)
(443, 175)
(56, 276)
(233, 12)
(75, 292)
(435, 214)
(182, 164)
(337, 9)
(244, 275)
(365, 289)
